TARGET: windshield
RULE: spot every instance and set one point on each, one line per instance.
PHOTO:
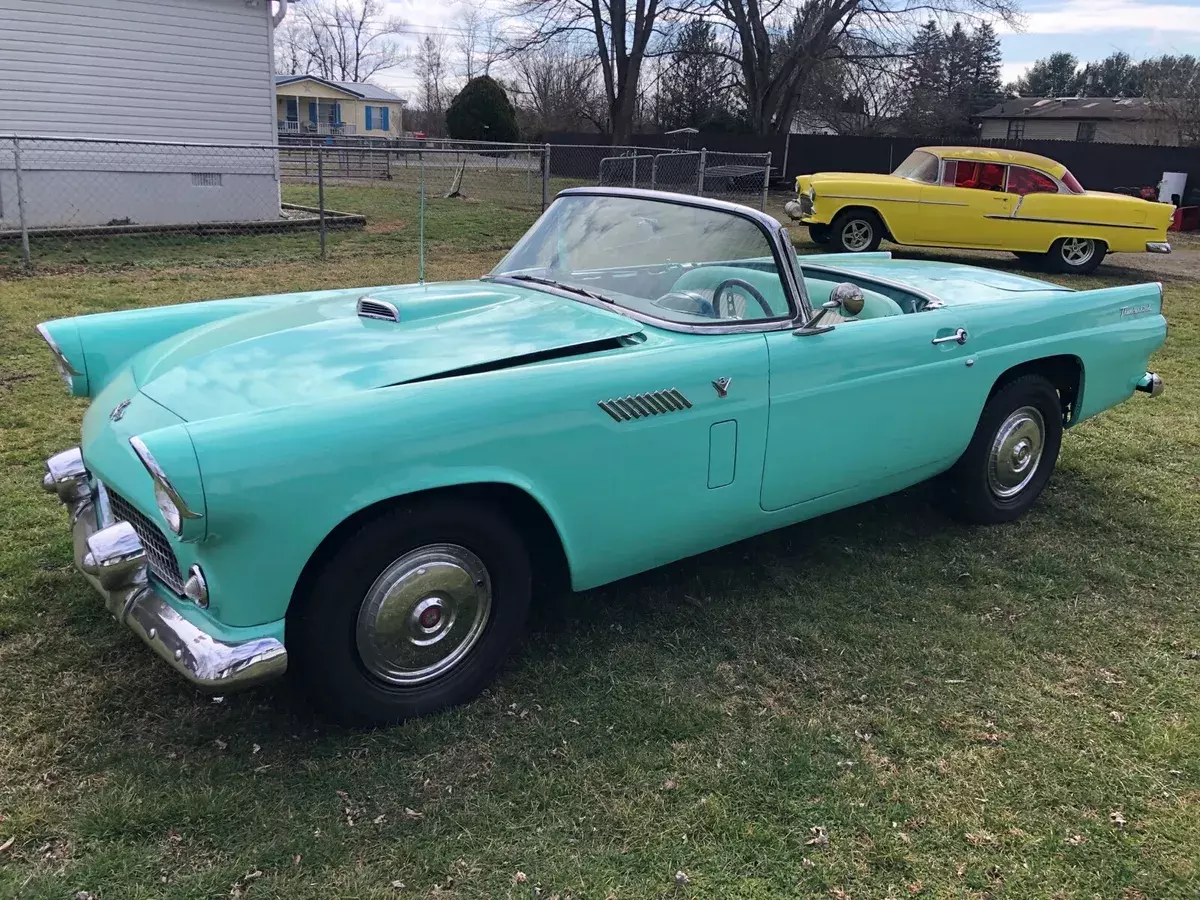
(684, 264)
(920, 165)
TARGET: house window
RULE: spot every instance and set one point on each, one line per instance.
(1086, 132)
(292, 109)
(377, 118)
(1016, 129)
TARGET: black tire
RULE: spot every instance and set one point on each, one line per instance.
(324, 638)
(979, 492)
(856, 231)
(1064, 256)
(819, 234)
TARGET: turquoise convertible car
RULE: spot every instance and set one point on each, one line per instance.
(363, 487)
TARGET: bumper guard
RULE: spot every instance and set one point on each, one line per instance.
(111, 556)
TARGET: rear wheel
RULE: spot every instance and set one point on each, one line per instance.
(414, 613)
(1076, 255)
(819, 234)
(1011, 455)
(856, 231)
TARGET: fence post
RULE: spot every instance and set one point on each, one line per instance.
(766, 181)
(421, 231)
(787, 146)
(545, 177)
(25, 262)
(700, 175)
(635, 159)
(321, 196)
(654, 172)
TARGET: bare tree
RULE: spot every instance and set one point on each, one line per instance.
(341, 40)
(432, 81)
(477, 41)
(555, 86)
(621, 30)
(782, 43)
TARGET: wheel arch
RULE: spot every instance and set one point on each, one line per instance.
(548, 554)
(1064, 371)
(853, 206)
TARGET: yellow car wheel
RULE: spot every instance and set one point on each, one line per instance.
(1076, 255)
(856, 231)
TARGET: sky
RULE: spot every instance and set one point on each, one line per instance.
(1091, 29)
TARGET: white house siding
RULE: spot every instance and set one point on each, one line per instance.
(137, 70)
(1108, 131)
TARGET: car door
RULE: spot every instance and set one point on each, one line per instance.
(965, 208)
(868, 407)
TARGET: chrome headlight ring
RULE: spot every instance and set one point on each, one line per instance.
(175, 510)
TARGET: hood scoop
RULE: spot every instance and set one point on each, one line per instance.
(370, 308)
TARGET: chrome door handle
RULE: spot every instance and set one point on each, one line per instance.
(959, 337)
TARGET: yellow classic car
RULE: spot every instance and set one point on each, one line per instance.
(982, 199)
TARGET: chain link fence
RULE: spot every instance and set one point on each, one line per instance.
(69, 202)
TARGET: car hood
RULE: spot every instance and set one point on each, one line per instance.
(953, 283)
(820, 178)
(316, 347)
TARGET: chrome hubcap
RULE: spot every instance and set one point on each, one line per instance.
(1016, 452)
(423, 614)
(1077, 251)
(856, 235)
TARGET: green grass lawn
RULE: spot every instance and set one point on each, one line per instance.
(879, 703)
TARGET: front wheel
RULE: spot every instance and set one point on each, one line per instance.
(1011, 455)
(415, 612)
(1077, 256)
(856, 231)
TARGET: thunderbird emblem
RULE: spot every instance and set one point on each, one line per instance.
(118, 411)
(722, 386)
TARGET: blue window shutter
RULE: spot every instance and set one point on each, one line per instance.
(312, 111)
(384, 124)
(368, 118)
(293, 108)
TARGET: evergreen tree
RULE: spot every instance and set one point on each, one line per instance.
(925, 76)
(482, 112)
(1055, 76)
(695, 91)
(986, 87)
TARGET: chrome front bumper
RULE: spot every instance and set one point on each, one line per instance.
(111, 556)
(1158, 247)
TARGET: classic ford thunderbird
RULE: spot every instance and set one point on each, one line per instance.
(363, 487)
(983, 199)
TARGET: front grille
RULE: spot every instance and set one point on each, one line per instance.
(163, 564)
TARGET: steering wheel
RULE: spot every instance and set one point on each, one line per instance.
(726, 307)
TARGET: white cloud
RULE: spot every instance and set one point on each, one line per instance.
(1087, 16)
(1011, 71)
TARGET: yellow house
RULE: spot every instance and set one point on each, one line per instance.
(306, 104)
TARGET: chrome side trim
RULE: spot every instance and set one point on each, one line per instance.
(156, 472)
(640, 406)
(881, 199)
(1158, 247)
(1013, 218)
(370, 308)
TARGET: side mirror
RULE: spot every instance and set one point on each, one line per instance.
(848, 297)
(845, 297)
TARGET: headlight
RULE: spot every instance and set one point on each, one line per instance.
(175, 510)
(812, 193)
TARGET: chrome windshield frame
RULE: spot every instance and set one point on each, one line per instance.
(777, 239)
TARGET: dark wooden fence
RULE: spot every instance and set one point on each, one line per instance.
(1101, 167)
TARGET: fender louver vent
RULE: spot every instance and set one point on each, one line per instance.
(377, 309)
(639, 406)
